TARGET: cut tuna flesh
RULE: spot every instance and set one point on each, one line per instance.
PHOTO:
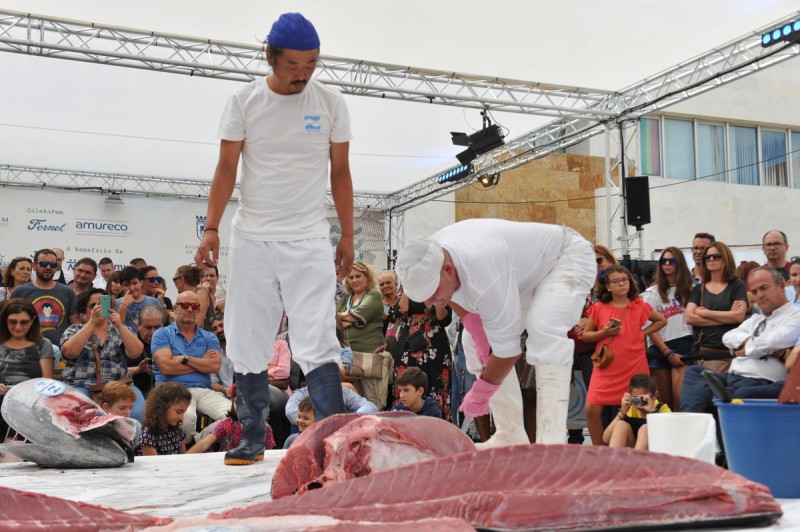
(23, 510)
(560, 487)
(313, 523)
(348, 446)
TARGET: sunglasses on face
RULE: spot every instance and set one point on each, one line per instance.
(187, 306)
(669, 261)
(599, 260)
(713, 256)
(47, 264)
(156, 279)
(619, 281)
(175, 279)
(22, 323)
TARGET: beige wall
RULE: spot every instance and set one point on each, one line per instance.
(557, 189)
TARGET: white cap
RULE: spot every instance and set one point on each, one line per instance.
(418, 267)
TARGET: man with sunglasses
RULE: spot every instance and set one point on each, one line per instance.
(56, 304)
(154, 285)
(185, 353)
(292, 134)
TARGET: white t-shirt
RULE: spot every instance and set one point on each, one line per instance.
(500, 264)
(672, 310)
(284, 158)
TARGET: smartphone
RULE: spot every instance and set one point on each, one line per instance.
(105, 306)
(615, 322)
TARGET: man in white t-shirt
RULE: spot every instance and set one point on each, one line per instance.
(287, 129)
(502, 278)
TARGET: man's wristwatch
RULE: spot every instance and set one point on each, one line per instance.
(185, 360)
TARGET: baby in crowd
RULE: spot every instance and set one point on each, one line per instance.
(629, 426)
(412, 385)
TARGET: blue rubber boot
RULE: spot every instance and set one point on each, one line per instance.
(252, 407)
(325, 389)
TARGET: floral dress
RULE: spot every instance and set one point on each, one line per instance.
(435, 358)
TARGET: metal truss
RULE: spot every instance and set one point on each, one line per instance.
(727, 63)
(581, 113)
(138, 185)
(96, 43)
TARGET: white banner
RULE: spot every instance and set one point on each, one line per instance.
(165, 232)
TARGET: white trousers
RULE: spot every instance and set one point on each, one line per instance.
(267, 278)
(208, 402)
(554, 308)
(557, 303)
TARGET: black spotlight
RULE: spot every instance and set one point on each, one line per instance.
(480, 142)
(489, 180)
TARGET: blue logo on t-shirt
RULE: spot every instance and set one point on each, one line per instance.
(312, 124)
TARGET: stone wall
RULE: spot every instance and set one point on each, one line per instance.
(557, 189)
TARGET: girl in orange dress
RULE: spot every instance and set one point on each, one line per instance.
(617, 319)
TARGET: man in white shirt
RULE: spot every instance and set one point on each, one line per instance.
(106, 266)
(512, 276)
(287, 129)
(759, 345)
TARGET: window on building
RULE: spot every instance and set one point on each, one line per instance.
(796, 158)
(711, 152)
(650, 135)
(774, 165)
(679, 149)
(744, 155)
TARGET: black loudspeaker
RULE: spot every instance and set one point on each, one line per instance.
(637, 201)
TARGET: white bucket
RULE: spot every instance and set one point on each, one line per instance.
(683, 434)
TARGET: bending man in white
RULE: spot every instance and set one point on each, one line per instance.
(514, 276)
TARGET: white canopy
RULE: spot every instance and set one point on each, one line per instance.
(77, 116)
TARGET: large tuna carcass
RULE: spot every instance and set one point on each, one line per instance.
(65, 428)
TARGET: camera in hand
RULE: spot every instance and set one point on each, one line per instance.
(637, 401)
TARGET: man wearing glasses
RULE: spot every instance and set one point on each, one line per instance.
(700, 243)
(55, 303)
(141, 369)
(292, 134)
(185, 353)
(776, 246)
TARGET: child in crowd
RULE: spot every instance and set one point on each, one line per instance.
(117, 398)
(412, 385)
(305, 418)
(163, 417)
(629, 426)
(228, 431)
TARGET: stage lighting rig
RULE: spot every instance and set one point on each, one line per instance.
(480, 142)
(457, 173)
(489, 180)
(787, 33)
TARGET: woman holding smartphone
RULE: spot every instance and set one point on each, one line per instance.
(103, 342)
(616, 320)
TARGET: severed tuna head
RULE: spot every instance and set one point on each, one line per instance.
(65, 428)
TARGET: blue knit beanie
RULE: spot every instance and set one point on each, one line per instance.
(293, 31)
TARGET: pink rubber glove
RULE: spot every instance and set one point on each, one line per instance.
(473, 324)
(476, 402)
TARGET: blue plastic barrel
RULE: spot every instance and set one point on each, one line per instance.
(761, 440)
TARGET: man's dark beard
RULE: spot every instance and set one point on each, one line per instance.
(221, 337)
(44, 276)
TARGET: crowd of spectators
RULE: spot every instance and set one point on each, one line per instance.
(740, 321)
